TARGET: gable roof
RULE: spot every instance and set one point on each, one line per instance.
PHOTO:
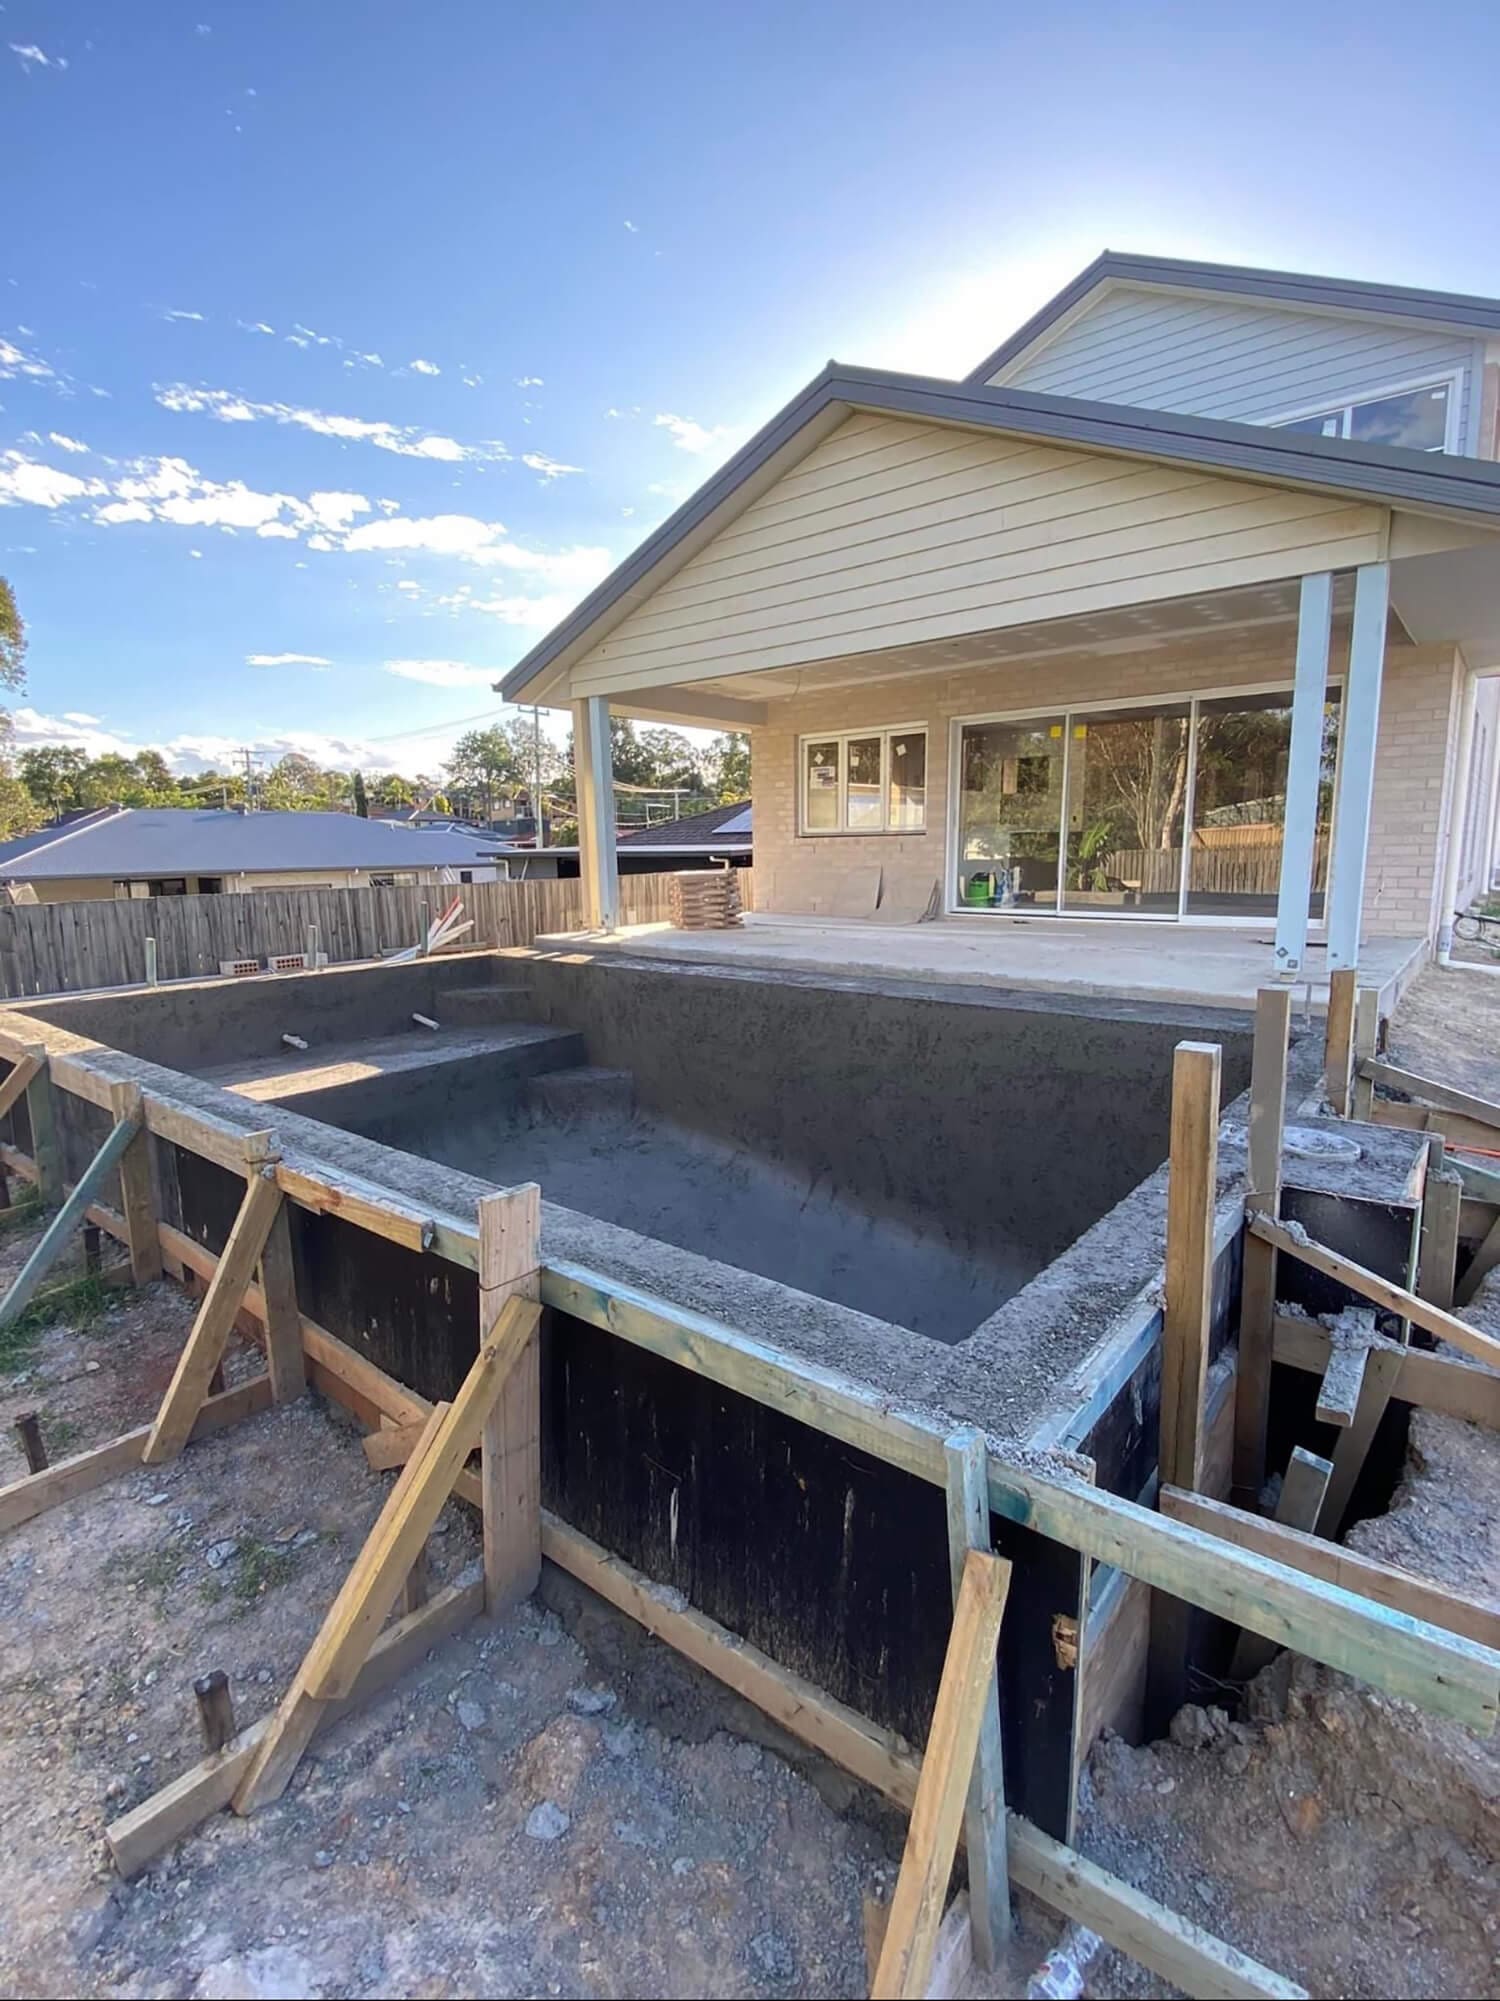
(1459, 310)
(726, 825)
(1381, 473)
(168, 841)
(24, 844)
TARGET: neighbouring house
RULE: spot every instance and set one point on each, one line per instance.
(170, 851)
(696, 840)
(1183, 607)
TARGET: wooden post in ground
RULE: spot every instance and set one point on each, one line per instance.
(46, 1149)
(285, 1362)
(1366, 1035)
(1437, 1252)
(204, 1348)
(510, 1257)
(984, 1816)
(943, 1788)
(1338, 1050)
(1252, 1388)
(1382, 1367)
(1302, 1490)
(215, 1709)
(1186, 1314)
(29, 1431)
(137, 1201)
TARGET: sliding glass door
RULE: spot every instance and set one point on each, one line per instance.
(1159, 809)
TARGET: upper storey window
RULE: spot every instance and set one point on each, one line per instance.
(1418, 420)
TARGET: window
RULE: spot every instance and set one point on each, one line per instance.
(868, 782)
(1414, 419)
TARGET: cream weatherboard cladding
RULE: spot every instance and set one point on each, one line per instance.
(894, 531)
(1220, 358)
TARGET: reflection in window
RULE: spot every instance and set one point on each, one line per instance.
(820, 812)
(1010, 814)
(908, 781)
(865, 807)
(1127, 793)
(1416, 420)
(869, 782)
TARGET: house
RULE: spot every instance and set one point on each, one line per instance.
(696, 840)
(171, 851)
(1182, 608)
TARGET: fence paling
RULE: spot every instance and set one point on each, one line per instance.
(49, 948)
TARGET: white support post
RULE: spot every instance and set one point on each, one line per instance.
(1458, 815)
(594, 778)
(1300, 827)
(1351, 820)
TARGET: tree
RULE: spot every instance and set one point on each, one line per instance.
(729, 766)
(393, 790)
(675, 765)
(361, 802)
(50, 772)
(155, 776)
(12, 640)
(482, 763)
(294, 784)
(18, 810)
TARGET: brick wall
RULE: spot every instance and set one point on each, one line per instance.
(803, 873)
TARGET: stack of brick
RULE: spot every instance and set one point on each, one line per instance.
(705, 900)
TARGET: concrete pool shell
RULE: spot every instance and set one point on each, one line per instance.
(949, 1111)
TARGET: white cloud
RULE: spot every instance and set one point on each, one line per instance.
(172, 313)
(420, 367)
(408, 442)
(442, 673)
(31, 57)
(472, 381)
(336, 511)
(119, 511)
(286, 660)
(305, 337)
(409, 584)
(540, 612)
(79, 716)
(529, 382)
(438, 534)
(280, 531)
(689, 436)
(549, 469)
(26, 482)
(254, 326)
(66, 444)
(15, 361)
(634, 228)
(190, 753)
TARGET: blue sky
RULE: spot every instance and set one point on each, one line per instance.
(363, 338)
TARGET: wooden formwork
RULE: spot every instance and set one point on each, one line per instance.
(1360, 1617)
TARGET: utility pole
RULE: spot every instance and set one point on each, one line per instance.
(537, 807)
(251, 778)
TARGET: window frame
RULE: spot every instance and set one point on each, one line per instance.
(843, 738)
(1450, 379)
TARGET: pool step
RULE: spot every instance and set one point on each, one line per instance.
(584, 1091)
(469, 1007)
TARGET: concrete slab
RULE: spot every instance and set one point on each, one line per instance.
(1204, 966)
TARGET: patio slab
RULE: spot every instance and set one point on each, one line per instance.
(1207, 966)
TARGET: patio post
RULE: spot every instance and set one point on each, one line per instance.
(1356, 785)
(593, 774)
(1299, 832)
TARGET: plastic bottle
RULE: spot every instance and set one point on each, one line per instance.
(1060, 1975)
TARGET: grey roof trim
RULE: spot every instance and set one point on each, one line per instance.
(1469, 313)
(1378, 473)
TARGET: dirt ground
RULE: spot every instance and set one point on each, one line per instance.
(1448, 1026)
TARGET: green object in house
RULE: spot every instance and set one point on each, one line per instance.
(979, 889)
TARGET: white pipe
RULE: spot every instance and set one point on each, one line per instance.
(1457, 819)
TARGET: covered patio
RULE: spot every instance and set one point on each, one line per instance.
(1216, 968)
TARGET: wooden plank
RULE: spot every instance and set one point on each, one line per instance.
(1327, 1625)
(1437, 1256)
(1338, 1394)
(1381, 1371)
(302, 1710)
(138, 1837)
(1273, 1015)
(24, 1499)
(58, 1234)
(1178, 1951)
(1446, 1383)
(1455, 1129)
(937, 1813)
(204, 1348)
(510, 1256)
(17, 1083)
(1188, 1304)
(1366, 1035)
(1443, 1096)
(393, 1446)
(1385, 1583)
(984, 1813)
(285, 1361)
(1187, 1315)
(1303, 1487)
(137, 1202)
(46, 1149)
(1394, 1298)
(1338, 1047)
(382, 1213)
